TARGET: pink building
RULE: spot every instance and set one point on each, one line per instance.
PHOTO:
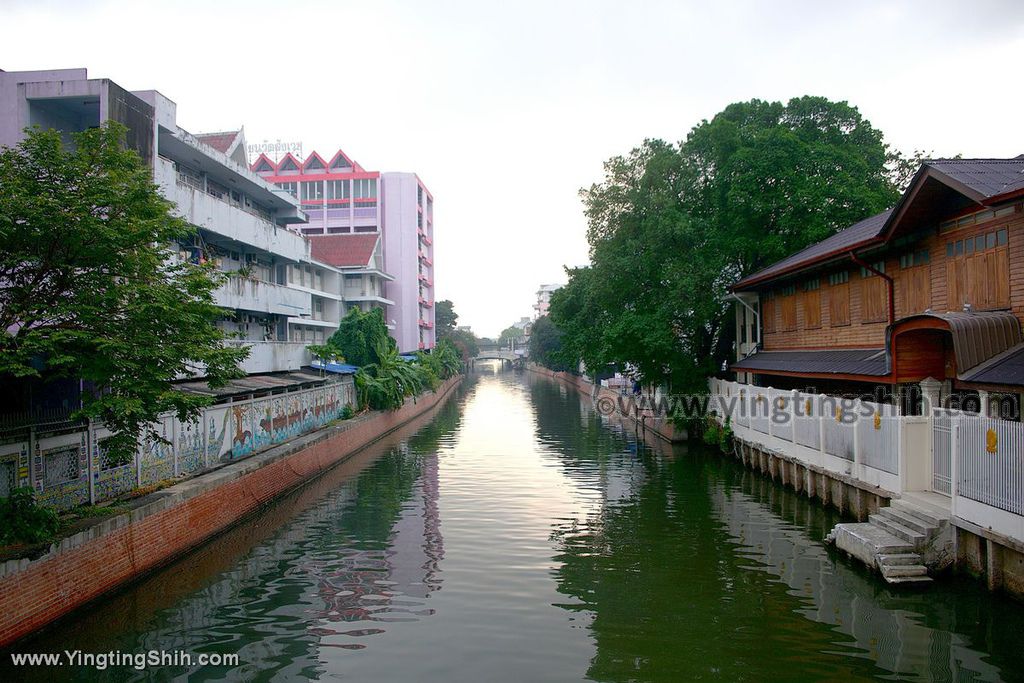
(343, 200)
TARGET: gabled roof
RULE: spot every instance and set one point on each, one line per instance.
(312, 162)
(222, 142)
(263, 164)
(937, 183)
(344, 251)
(988, 177)
(857, 235)
(348, 163)
(288, 163)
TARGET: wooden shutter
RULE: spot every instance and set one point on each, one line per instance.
(788, 318)
(874, 299)
(768, 313)
(839, 304)
(812, 309)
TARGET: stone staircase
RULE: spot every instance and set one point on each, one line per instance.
(903, 541)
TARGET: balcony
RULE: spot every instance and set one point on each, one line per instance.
(224, 218)
(273, 356)
(426, 324)
(426, 303)
(243, 294)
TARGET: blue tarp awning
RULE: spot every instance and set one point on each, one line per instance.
(337, 368)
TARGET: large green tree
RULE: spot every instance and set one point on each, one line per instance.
(671, 226)
(360, 336)
(445, 318)
(90, 286)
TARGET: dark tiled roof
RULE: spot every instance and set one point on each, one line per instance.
(851, 237)
(219, 141)
(344, 251)
(828, 362)
(1006, 368)
(250, 384)
(987, 177)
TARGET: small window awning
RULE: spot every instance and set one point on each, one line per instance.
(867, 362)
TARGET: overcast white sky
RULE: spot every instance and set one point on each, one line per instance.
(506, 109)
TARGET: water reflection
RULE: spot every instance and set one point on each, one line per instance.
(521, 536)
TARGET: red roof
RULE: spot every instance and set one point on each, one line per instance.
(344, 251)
(219, 141)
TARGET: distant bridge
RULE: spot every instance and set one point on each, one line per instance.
(496, 354)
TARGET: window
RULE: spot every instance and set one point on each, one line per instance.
(787, 309)
(914, 258)
(364, 188)
(978, 271)
(290, 188)
(337, 189)
(877, 265)
(976, 218)
(839, 278)
(812, 304)
(60, 465)
(312, 191)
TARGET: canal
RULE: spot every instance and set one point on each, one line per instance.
(518, 536)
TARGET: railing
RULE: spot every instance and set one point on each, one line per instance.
(847, 436)
(72, 469)
(977, 461)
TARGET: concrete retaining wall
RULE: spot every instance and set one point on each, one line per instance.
(168, 523)
(651, 423)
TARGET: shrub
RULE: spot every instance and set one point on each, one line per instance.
(725, 437)
(23, 520)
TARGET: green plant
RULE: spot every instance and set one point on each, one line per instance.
(725, 437)
(347, 413)
(385, 384)
(23, 520)
(712, 432)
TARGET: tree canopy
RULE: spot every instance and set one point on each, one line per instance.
(445, 318)
(360, 336)
(671, 226)
(91, 287)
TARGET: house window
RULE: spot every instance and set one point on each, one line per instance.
(768, 312)
(874, 295)
(839, 278)
(877, 265)
(839, 298)
(914, 258)
(812, 303)
(787, 308)
(290, 188)
(913, 284)
(978, 271)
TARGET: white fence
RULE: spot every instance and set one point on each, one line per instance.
(73, 468)
(829, 431)
(977, 461)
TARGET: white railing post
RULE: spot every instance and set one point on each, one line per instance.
(768, 407)
(954, 461)
(819, 410)
(857, 458)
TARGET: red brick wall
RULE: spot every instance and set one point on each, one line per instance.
(63, 581)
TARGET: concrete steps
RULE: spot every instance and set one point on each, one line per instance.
(894, 540)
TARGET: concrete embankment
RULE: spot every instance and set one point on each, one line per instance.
(164, 525)
(612, 403)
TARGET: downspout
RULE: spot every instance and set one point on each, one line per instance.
(889, 282)
(757, 316)
(891, 286)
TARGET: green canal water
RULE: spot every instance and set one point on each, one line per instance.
(519, 536)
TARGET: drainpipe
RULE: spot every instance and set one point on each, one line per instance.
(891, 287)
(889, 283)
